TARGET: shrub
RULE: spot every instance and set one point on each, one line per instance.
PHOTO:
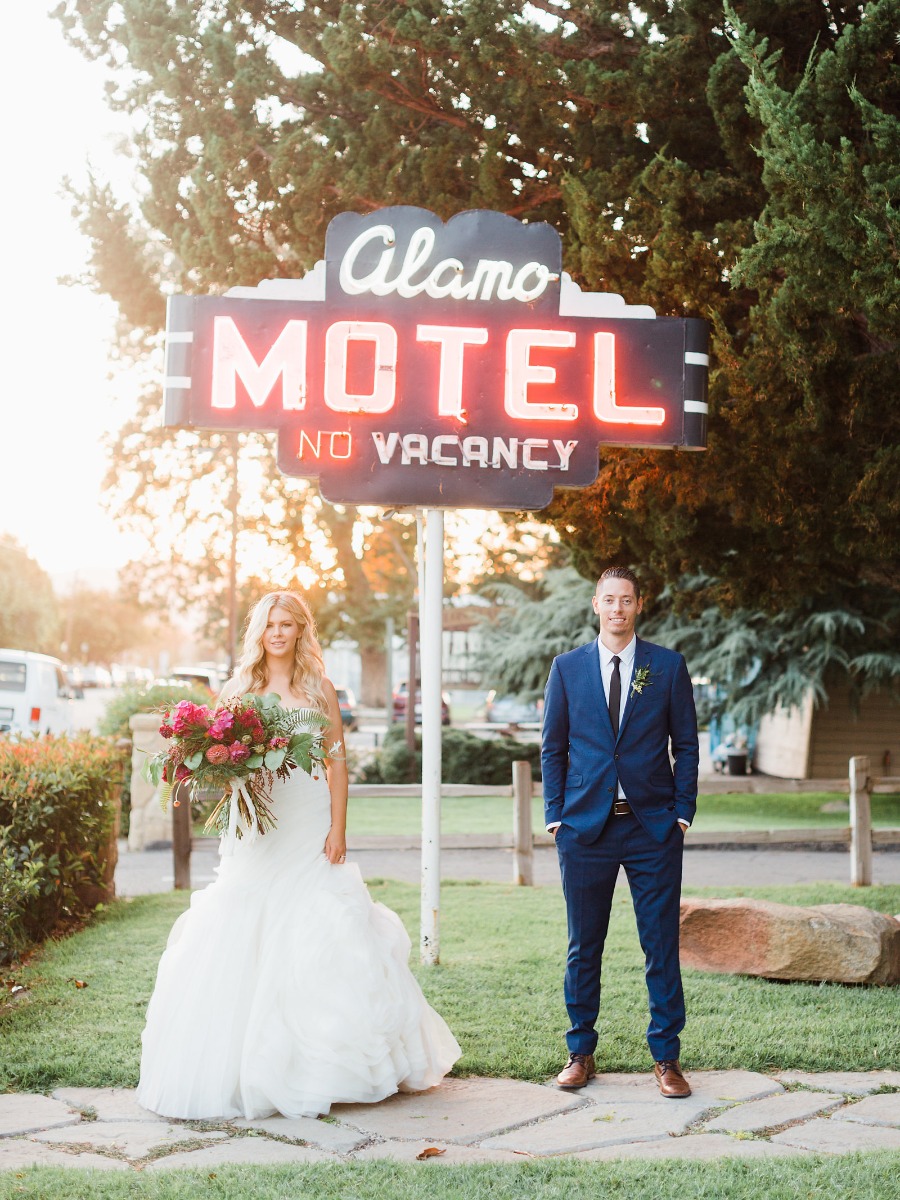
(120, 710)
(117, 714)
(465, 758)
(20, 884)
(57, 815)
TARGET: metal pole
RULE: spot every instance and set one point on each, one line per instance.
(860, 823)
(412, 638)
(232, 560)
(523, 835)
(389, 668)
(431, 636)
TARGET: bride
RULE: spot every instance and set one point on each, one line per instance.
(284, 988)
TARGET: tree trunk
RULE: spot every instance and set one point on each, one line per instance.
(373, 677)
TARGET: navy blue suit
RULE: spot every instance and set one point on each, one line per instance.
(581, 762)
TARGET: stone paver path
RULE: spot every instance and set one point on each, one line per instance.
(730, 1114)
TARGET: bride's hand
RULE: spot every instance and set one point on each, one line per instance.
(335, 847)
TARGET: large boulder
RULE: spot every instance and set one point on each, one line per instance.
(840, 943)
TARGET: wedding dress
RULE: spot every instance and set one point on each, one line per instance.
(284, 988)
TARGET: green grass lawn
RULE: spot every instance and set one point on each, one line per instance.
(499, 987)
(371, 816)
(851, 1177)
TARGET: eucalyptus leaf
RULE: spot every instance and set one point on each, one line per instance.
(274, 758)
(152, 771)
(194, 760)
(254, 762)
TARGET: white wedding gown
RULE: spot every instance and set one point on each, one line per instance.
(284, 988)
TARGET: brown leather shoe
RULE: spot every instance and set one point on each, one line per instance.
(577, 1071)
(672, 1082)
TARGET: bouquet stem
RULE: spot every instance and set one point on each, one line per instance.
(238, 814)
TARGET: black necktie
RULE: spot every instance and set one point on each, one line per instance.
(615, 695)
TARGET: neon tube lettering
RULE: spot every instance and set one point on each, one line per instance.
(605, 406)
(384, 381)
(444, 278)
(452, 340)
(232, 359)
(521, 373)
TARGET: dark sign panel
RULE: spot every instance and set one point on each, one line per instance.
(437, 365)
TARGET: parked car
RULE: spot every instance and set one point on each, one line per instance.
(510, 710)
(92, 675)
(400, 699)
(35, 694)
(347, 705)
(202, 673)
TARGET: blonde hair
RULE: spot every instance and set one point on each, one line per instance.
(308, 674)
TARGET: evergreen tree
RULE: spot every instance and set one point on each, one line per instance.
(738, 165)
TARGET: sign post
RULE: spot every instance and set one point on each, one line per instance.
(432, 636)
(434, 366)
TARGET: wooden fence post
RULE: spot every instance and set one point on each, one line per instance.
(523, 837)
(181, 839)
(860, 823)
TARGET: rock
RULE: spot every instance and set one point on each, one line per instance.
(840, 943)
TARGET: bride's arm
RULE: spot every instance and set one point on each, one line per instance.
(338, 782)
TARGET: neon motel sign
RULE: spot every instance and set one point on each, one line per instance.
(437, 365)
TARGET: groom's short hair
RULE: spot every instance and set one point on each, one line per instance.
(622, 573)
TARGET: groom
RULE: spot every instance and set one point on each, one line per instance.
(611, 799)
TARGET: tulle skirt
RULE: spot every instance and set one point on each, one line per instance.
(284, 988)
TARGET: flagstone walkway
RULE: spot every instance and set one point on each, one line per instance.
(730, 1114)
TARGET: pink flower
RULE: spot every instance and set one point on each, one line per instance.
(181, 772)
(221, 725)
(277, 743)
(217, 754)
(238, 752)
(189, 716)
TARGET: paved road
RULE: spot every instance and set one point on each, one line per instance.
(147, 871)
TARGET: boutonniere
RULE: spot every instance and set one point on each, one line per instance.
(641, 680)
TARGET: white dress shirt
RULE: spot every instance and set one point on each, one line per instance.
(626, 670)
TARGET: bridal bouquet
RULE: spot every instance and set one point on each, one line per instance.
(242, 746)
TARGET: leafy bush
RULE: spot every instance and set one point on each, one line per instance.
(465, 758)
(120, 710)
(57, 813)
(117, 714)
(20, 884)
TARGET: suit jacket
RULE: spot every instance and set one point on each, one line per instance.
(580, 760)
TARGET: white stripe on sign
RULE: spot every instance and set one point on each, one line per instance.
(177, 381)
(699, 406)
(694, 359)
(182, 336)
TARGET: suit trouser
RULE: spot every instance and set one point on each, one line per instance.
(589, 877)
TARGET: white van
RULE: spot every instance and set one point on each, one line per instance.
(35, 696)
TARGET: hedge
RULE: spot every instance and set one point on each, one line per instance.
(57, 816)
(465, 758)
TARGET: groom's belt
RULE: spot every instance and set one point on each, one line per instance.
(621, 808)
